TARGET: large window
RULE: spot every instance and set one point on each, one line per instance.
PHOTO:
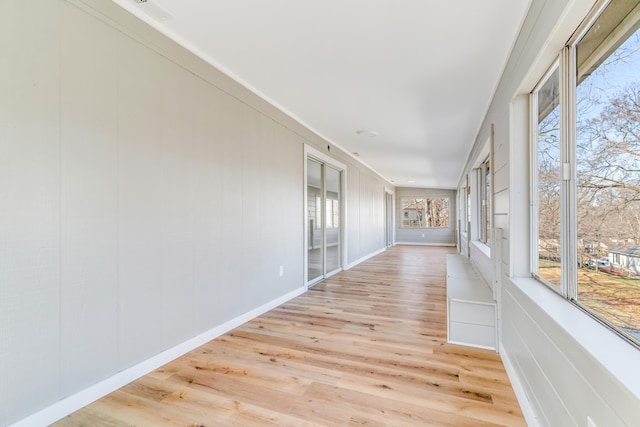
(587, 170)
(424, 212)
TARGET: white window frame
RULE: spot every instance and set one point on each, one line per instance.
(425, 198)
(462, 207)
(533, 155)
(566, 62)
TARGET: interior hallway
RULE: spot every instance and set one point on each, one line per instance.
(365, 347)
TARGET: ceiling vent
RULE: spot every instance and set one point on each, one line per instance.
(154, 10)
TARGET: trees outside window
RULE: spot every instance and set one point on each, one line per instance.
(424, 212)
(587, 171)
(607, 167)
(547, 187)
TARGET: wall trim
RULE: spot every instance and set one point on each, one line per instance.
(518, 387)
(453, 245)
(72, 403)
(363, 259)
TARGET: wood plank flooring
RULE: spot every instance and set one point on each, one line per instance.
(365, 347)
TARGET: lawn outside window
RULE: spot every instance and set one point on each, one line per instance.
(586, 170)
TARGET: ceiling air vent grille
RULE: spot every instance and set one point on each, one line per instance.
(153, 10)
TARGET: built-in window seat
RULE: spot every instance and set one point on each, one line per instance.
(471, 310)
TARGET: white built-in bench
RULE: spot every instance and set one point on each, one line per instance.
(471, 310)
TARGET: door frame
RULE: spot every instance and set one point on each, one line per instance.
(312, 153)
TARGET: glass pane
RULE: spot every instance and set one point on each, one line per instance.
(468, 193)
(413, 212)
(437, 212)
(487, 202)
(333, 219)
(389, 219)
(548, 190)
(314, 215)
(608, 169)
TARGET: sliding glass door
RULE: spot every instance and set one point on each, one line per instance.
(323, 220)
(315, 220)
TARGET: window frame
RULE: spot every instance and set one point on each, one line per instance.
(462, 207)
(424, 220)
(468, 207)
(566, 62)
(484, 200)
(533, 190)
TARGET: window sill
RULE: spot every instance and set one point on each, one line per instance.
(483, 247)
(616, 355)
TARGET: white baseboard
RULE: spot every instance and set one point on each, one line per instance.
(525, 404)
(81, 399)
(425, 244)
(364, 258)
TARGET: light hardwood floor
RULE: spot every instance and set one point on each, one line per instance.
(365, 347)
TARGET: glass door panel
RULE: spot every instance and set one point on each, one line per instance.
(315, 244)
(332, 219)
(388, 220)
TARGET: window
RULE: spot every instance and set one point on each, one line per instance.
(547, 182)
(468, 205)
(485, 201)
(462, 206)
(424, 213)
(586, 185)
(607, 165)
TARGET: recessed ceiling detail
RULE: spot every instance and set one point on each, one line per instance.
(421, 73)
(367, 133)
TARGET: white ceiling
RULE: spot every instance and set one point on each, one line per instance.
(420, 73)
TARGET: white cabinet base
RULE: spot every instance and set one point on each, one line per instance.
(471, 310)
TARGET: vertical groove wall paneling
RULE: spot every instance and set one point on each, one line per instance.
(29, 206)
(89, 197)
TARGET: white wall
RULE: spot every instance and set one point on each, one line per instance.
(365, 213)
(145, 198)
(564, 365)
(426, 236)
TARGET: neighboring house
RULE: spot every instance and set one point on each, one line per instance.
(412, 217)
(626, 259)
